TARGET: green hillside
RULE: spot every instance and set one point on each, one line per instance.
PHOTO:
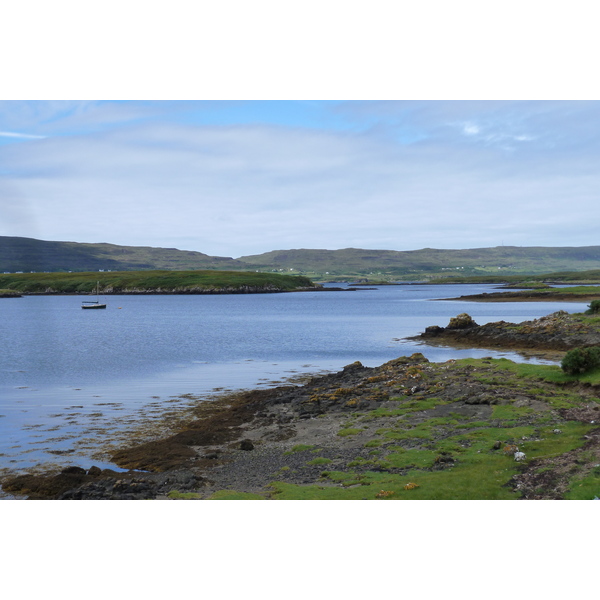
(530, 281)
(428, 262)
(27, 254)
(157, 282)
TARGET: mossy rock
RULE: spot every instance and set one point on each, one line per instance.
(462, 321)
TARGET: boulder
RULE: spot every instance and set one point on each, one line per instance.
(433, 330)
(246, 445)
(73, 471)
(462, 321)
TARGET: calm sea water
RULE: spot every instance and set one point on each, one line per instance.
(72, 379)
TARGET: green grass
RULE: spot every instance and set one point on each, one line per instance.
(403, 459)
(299, 448)
(176, 495)
(585, 488)
(549, 373)
(373, 443)
(234, 495)
(165, 281)
(476, 478)
(319, 461)
(348, 431)
(9, 293)
(510, 412)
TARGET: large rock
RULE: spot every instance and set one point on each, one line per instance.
(462, 321)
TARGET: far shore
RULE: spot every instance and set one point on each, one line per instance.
(525, 297)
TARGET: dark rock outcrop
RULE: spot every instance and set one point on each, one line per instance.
(557, 331)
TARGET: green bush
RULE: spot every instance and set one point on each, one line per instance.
(581, 360)
(594, 308)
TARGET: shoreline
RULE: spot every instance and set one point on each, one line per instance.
(525, 297)
(344, 435)
(558, 331)
(206, 292)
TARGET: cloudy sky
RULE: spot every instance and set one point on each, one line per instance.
(244, 177)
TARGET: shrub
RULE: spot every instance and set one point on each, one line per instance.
(581, 360)
(594, 308)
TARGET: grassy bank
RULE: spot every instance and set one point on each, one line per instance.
(570, 294)
(152, 282)
(426, 445)
(570, 277)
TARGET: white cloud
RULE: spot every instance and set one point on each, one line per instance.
(471, 129)
(12, 134)
(245, 189)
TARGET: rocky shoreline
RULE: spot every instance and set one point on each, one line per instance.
(407, 429)
(559, 331)
(186, 291)
(553, 295)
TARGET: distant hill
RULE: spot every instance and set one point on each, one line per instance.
(27, 254)
(429, 262)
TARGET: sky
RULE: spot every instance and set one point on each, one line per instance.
(234, 178)
(249, 128)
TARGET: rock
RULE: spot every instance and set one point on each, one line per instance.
(497, 445)
(556, 431)
(434, 330)
(482, 399)
(444, 458)
(356, 365)
(74, 471)
(94, 471)
(519, 456)
(462, 321)
(246, 445)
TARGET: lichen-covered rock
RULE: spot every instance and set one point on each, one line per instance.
(462, 321)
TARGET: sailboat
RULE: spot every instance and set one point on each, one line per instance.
(94, 303)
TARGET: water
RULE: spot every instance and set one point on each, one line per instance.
(72, 381)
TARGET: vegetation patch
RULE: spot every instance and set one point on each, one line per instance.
(157, 282)
(348, 431)
(176, 495)
(300, 448)
(319, 461)
(234, 495)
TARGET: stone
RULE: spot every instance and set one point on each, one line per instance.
(356, 365)
(246, 445)
(519, 456)
(74, 470)
(433, 330)
(94, 471)
(497, 445)
(462, 321)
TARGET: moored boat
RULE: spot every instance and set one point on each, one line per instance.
(94, 303)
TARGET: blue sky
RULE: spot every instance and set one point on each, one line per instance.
(244, 177)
